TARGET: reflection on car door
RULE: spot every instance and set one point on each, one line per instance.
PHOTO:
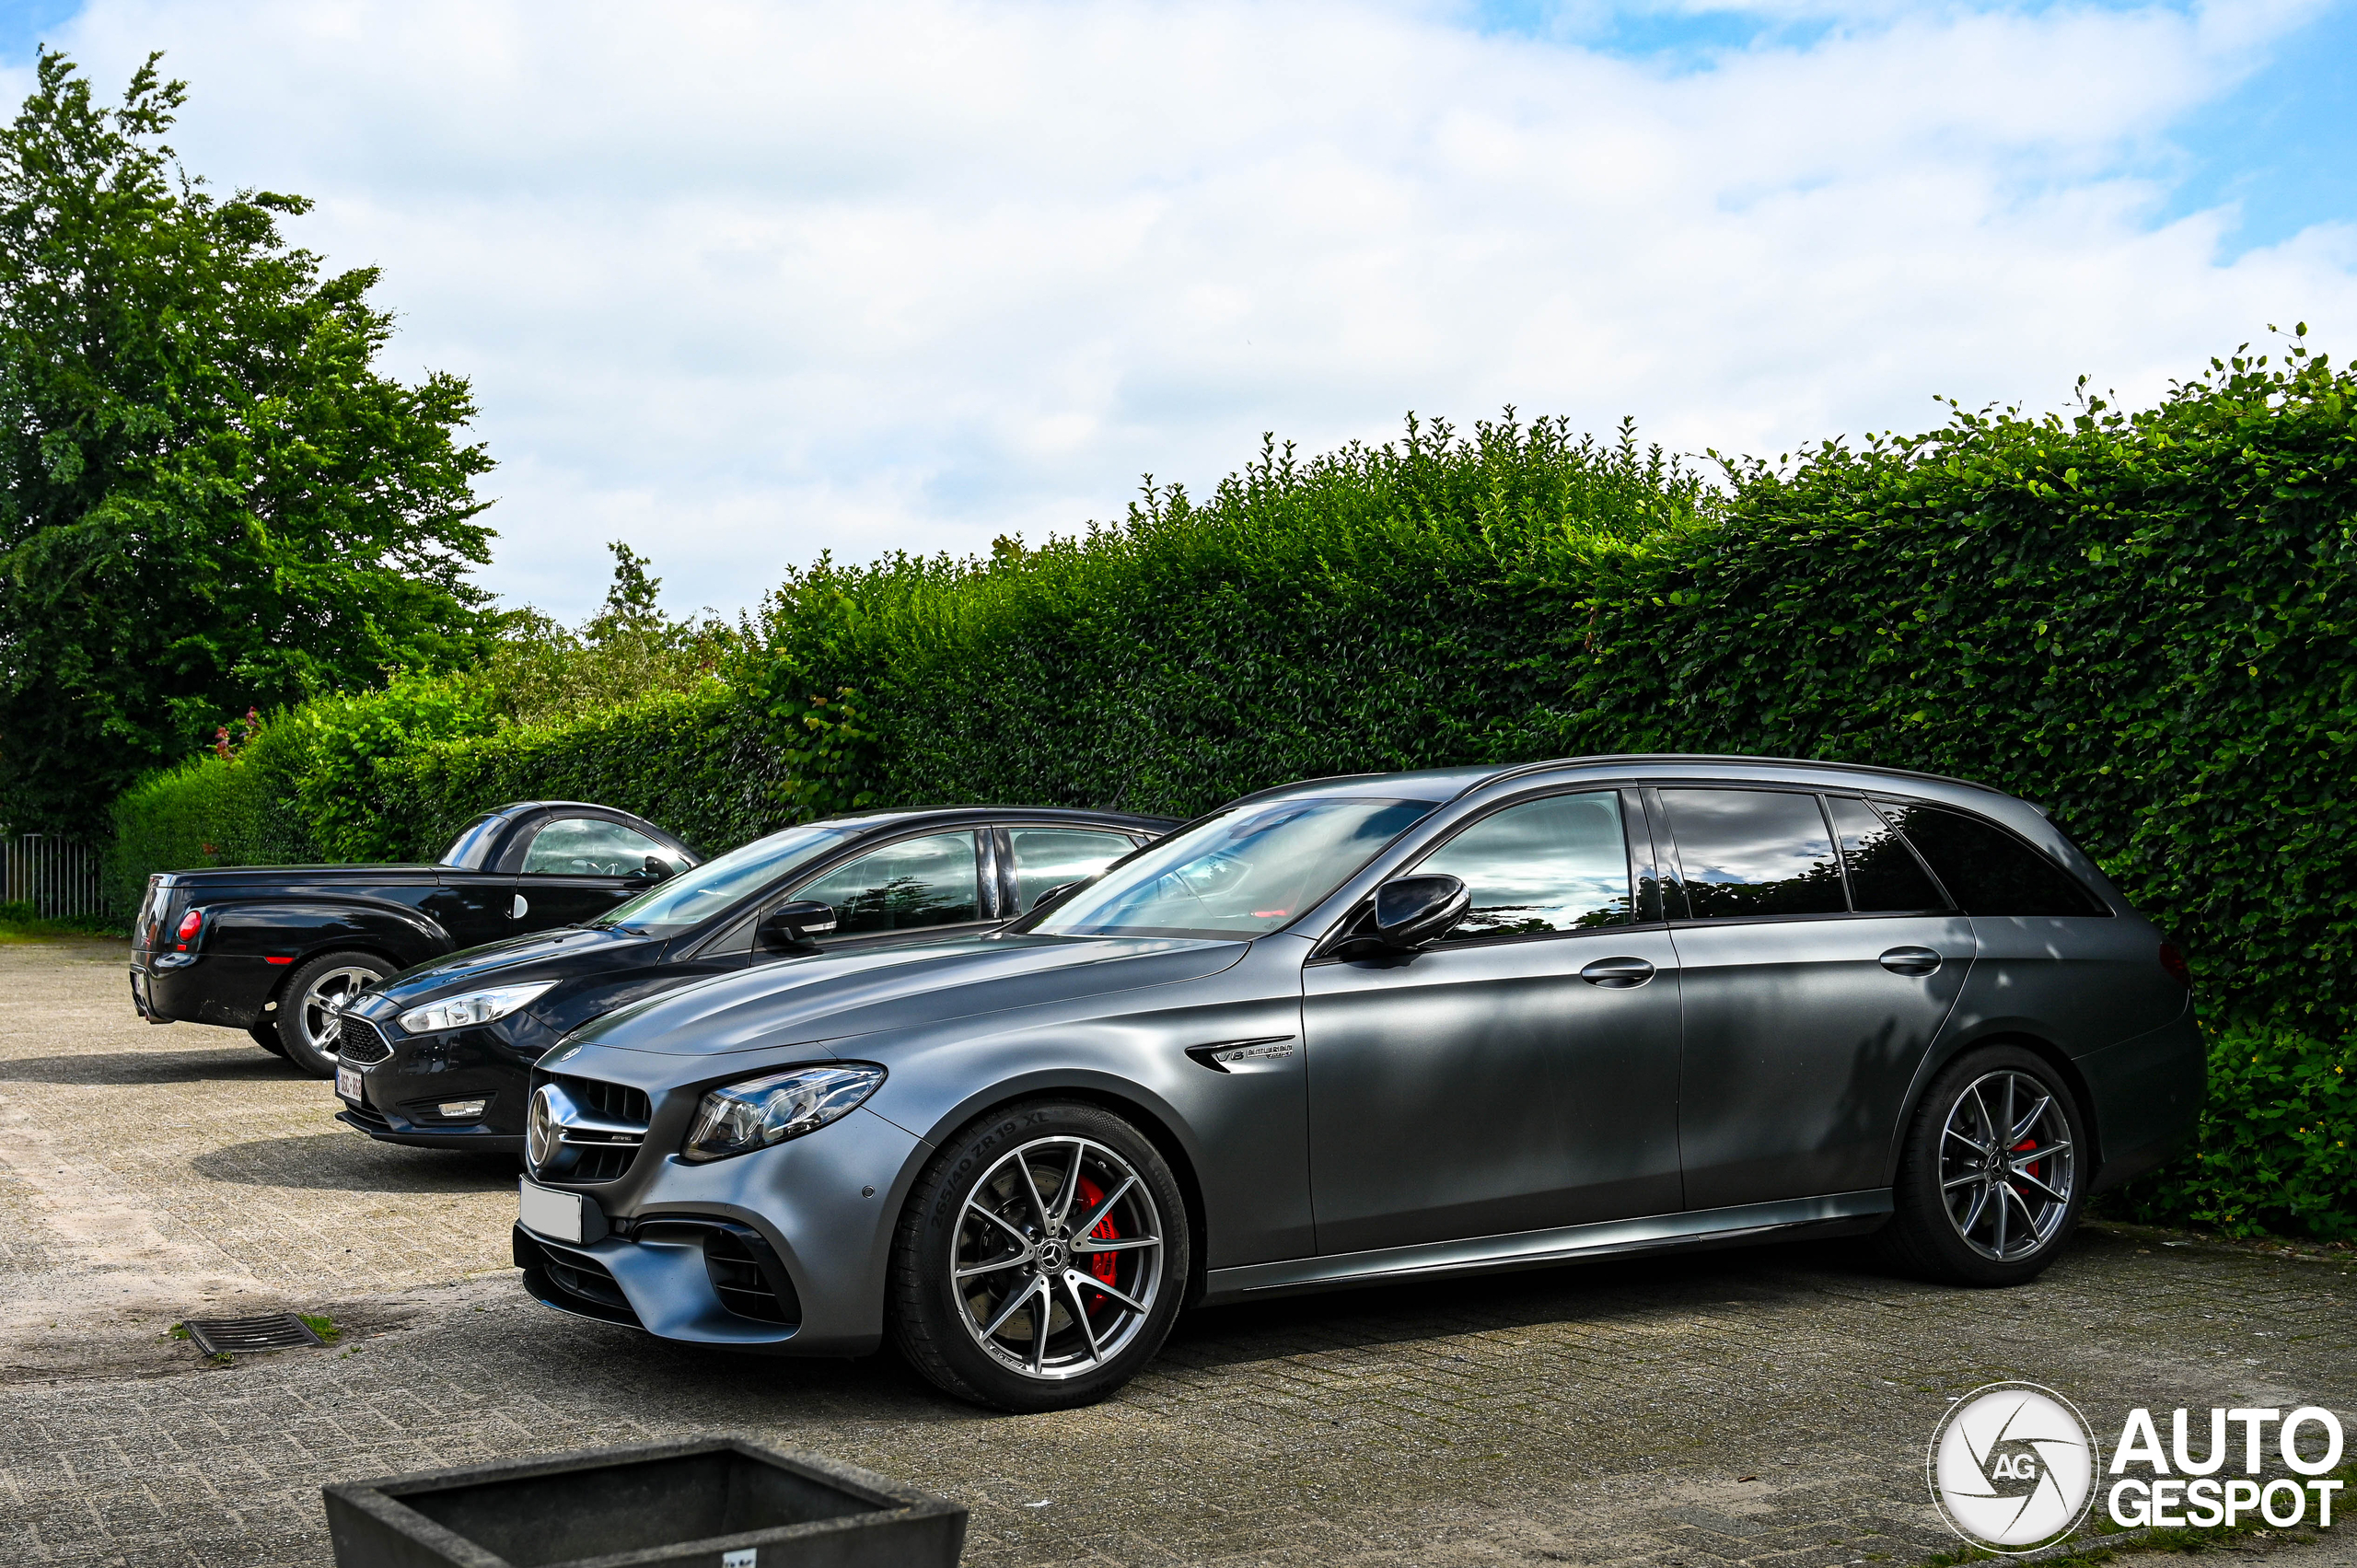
(1485, 1086)
(474, 907)
(911, 890)
(579, 867)
(1804, 1020)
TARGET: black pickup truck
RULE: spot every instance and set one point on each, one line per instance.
(275, 949)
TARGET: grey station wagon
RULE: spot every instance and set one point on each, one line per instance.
(1374, 1029)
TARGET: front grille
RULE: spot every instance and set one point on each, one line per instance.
(359, 1042)
(596, 1155)
(616, 1102)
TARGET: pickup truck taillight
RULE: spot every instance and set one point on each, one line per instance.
(191, 927)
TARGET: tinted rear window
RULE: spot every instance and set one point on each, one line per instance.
(1746, 853)
(1987, 870)
(1884, 876)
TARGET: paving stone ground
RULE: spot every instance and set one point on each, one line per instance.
(1765, 1407)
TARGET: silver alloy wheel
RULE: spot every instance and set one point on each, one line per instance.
(1056, 1258)
(317, 1014)
(2007, 1173)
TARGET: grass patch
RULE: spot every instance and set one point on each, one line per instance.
(20, 922)
(323, 1326)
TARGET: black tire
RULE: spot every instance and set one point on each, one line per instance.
(299, 1015)
(266, 1036)
(1976, 1202)
(1094, 1276)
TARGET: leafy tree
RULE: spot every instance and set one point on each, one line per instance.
(210, 499)
(543, 672)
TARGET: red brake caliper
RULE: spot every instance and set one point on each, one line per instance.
(2026, 1145)
(1100, 1263)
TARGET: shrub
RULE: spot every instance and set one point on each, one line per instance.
(701, 764)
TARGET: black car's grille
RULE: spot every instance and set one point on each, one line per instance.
(359, 1042)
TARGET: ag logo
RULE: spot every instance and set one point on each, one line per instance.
(2013, 1466)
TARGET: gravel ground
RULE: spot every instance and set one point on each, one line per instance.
(1769, 1406)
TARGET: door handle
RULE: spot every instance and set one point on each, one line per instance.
(1910, 960)
(1619, 974)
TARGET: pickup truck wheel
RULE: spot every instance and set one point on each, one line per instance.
(266, 1036)
(305, 1026)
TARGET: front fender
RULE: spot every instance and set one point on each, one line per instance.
(1254, 1194)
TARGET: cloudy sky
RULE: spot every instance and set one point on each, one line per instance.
(741, 283)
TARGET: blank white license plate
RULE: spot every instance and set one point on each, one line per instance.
(347, 1084)
(560, 1216)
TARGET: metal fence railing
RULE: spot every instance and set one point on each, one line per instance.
(58, 877)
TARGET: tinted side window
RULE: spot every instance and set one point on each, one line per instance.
(1050, 857)
(1557, 863)
(1988, 869)
(590, 846)
(1754, 852)
(1883, 874)
(903, 887)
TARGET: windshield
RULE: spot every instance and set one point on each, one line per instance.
(466, 850)
(1247, 871)
(694, 897)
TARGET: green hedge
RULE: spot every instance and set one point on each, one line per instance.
(213, 810)
(704, 765)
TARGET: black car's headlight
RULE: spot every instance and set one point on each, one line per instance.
(741, 1118)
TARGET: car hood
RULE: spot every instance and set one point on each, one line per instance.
(826, 996)
(513, 960)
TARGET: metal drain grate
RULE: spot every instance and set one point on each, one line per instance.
(244, 1336)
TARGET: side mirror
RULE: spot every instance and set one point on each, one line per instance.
(793, 925)
(655, 869)
(1056, 895)
(1415, 912)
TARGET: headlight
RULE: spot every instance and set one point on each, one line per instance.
(475, 1008)
(761, 1111)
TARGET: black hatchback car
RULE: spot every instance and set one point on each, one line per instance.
(439, 1055)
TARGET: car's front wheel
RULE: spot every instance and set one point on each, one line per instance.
(1041, 1258)
(307, 1023)
(1990, 1180)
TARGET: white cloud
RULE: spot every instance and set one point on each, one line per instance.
(742, 282)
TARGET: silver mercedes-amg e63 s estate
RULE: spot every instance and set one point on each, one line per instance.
(1370, 1028)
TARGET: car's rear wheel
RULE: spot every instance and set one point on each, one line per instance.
(265, 1034)
(1041, 1258)
(307, 1009)
(1990, 1180)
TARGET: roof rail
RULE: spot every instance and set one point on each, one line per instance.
(1616, 758)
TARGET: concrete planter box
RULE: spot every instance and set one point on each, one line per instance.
(719, 1503)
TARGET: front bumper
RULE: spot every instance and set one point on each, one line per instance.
(808, 1223)
(402, 1091)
